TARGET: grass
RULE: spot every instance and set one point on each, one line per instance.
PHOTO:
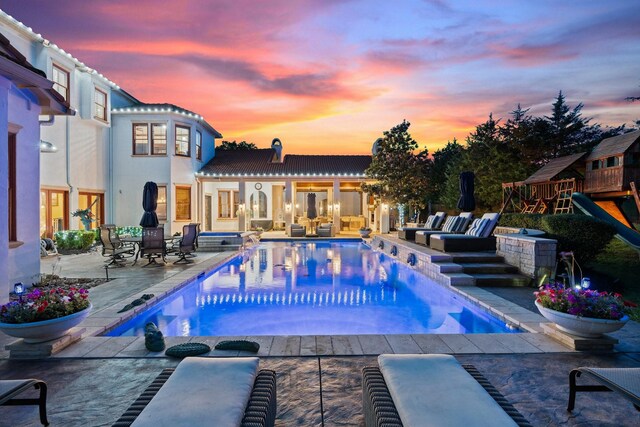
(617, 269)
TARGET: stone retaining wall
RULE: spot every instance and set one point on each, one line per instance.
(534, 256)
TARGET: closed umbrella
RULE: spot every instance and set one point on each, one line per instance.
(149, 204)
(312, 213)
(467, 202)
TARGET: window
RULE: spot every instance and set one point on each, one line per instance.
(183, 203)
(161, 209)
(13, 229)
(259, 206)
(595, 165)
(158, 138)
(183, 141)
(198, 145)
(60, 78)
(140, 139)
(100, 101)
(612, 161)
(228, 202)
(96, 202)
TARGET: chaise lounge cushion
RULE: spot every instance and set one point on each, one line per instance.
(203, 391)
(434, 390)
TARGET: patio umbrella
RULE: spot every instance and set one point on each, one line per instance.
(466, 202)
(149, 204)
(312, 213)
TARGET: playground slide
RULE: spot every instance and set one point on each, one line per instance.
(624, 233)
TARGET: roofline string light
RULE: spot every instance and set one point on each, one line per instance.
(46, 43)
(265, 175)
(157, 110)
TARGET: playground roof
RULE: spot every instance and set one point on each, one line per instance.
(553, 168)
(614, 145)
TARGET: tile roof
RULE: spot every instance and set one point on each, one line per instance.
(259, 162)
(614, 145)
(553, 168)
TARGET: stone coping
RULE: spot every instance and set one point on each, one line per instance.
(524, 238)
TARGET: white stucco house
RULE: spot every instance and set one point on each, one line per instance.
(25, 95)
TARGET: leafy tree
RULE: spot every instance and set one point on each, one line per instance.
(401, 172)
(237, 146)
(443, 160)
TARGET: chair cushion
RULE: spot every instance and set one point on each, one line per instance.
(430, 221)
(450, 224)
(202, 391)
(434, 390)
(477, 227)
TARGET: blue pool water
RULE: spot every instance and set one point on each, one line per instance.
(319, 288)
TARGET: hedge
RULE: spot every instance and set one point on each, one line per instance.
(586, 236)
(74, 239)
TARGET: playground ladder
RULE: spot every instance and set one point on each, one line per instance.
(565, 191)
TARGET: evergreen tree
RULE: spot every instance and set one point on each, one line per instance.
(443, 160)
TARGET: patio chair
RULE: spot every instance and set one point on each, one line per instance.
(325, 230)
(625, 381)
(153, 245)
(432, 389)
(197, 224)
(434, 222)
(296, 230)
(452, 225)
(9, 389)
(187, 244)
(222, 392)
(477, 238)
(112, 247)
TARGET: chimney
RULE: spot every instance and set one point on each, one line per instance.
(276, 145)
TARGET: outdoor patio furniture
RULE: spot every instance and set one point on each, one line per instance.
(112, 247)
(477, 238)
(452, 225)
(432, 389)
(434, 222)
(325, 230)
(153, 245)
(9, 389)
(625, 381)
(187, 244)
(296, 230)
(222, 392)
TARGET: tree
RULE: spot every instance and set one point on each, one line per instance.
(443, 160)
(401, 172)
(237, 146)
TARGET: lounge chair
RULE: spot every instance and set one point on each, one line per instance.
(296, 230)
(477, 238)
(11, 388)
(452, 225)
(203, 391)
(325, 230)
(432, 390)
(434, 222)
(625, 381)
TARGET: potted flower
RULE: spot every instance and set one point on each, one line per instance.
(582, 312)
(86, 217)
(364, 232)
(44, 315)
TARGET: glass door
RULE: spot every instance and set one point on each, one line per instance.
(95, 202)
(54, 208)
(207, 212)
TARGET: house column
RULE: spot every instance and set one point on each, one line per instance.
(242, 209)
(289, 203)
(384, 218)
(336, 206)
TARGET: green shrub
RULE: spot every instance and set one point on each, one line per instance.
(133, 231)
(74, 239)
(586, 236)
(522, 220)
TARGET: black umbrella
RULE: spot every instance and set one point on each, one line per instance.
(311, 206)
(466, 202)
(149, 204)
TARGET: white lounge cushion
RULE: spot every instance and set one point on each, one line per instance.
(430, 220)
(202, 392)
(434, 390)
(477, 227)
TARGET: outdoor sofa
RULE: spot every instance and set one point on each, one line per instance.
(432, 390)
(624, 381)
(434, 222)
(296, 230)
(9, 389)
(452, 225)
(325, 230)
(204, 391)
(477, 238)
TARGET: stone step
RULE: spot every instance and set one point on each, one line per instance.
(500, 279)
(488, 268)
(476, 257)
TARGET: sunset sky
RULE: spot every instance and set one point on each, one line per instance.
(329, 76)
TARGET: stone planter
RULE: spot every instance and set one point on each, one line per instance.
(586, 327)
(364, 233)
(46, 330)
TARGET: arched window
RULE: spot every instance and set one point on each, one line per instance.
(259, 208)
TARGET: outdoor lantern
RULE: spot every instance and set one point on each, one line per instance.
(18, 289)
(586, 283)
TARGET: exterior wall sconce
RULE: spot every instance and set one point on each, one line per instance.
(241, 208)
(287, 207)
(385, 207)
(336, 207)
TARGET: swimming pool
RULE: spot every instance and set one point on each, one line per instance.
(314, 288)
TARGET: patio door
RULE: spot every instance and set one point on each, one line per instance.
(54, 211)
(96, 201)
(207, 212)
